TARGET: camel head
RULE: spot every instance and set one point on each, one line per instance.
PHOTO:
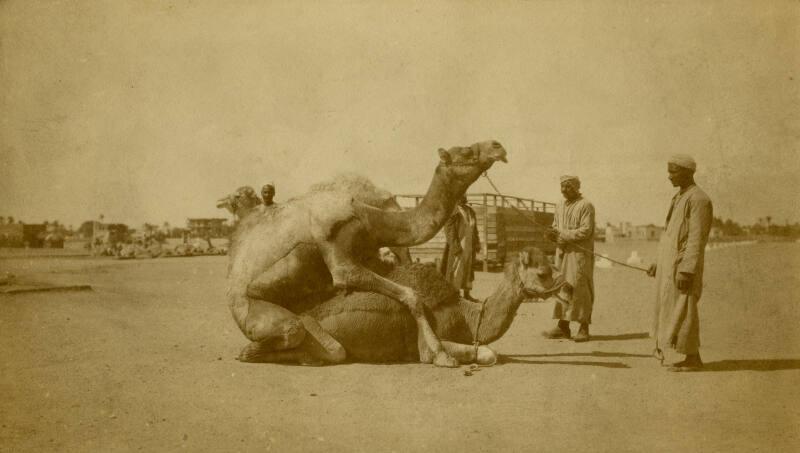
(240, 202)
(466, 163)
(539, 280)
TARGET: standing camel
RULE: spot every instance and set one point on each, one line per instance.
(285, 259)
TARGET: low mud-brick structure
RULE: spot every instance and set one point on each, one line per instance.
(506, 224)
(22, 235)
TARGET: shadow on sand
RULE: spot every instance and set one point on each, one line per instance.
(752, 365)
(625, 336)
(581, 354)
(509, 359)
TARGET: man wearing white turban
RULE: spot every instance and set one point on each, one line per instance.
(573, 232)
(679, 268)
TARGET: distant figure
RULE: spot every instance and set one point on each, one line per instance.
(573, 232)
(679, 267)
(634, 259)
(268, 193)
(461, 232)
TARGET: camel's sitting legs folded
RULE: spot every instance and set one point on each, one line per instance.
(290, 338)
(348, 274)
(312, 353)
(271, 327)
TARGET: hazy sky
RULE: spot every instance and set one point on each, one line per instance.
(152, 110)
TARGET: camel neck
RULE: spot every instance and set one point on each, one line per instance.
(438, 203)
(500, 308)
(421, 223)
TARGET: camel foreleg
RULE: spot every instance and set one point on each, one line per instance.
(466, 353)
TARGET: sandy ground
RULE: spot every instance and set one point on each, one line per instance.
(145, 362)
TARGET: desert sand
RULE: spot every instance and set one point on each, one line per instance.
(145, 362)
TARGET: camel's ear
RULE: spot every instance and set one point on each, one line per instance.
(444, 156)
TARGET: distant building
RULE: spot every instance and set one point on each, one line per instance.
(213, 227)
(22, 235)
(715, 233)
(51, 237)
(11, 235)
(647, 232)
(612, 233)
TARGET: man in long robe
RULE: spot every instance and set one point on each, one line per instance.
(461, 232)
(679, 268)
(573, 232)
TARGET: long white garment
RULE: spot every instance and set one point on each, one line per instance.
(574, 221)
(682, 249)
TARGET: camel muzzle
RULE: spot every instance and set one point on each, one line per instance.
(498, 154)
(223, 203)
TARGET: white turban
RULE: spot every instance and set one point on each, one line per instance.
(683, 160)
(572, 179)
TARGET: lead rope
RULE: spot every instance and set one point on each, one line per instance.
(657, 352)
(475, 341)
(474, 367)
(486, 175)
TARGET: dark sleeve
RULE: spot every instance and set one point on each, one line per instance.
(477, 236)
(451, 228)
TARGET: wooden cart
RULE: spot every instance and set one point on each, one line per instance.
(503, 230)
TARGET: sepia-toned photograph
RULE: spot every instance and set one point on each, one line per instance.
(399, 226)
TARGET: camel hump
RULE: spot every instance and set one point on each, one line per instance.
(358, 187)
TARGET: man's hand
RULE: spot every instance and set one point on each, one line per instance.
(684, 281)
(651, 271)
(552, 234)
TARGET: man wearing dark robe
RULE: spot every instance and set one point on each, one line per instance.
(461, 232)
(679, 268)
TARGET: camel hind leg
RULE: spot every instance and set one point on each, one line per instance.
(270, 328)
(264, 319)
(317, 348)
